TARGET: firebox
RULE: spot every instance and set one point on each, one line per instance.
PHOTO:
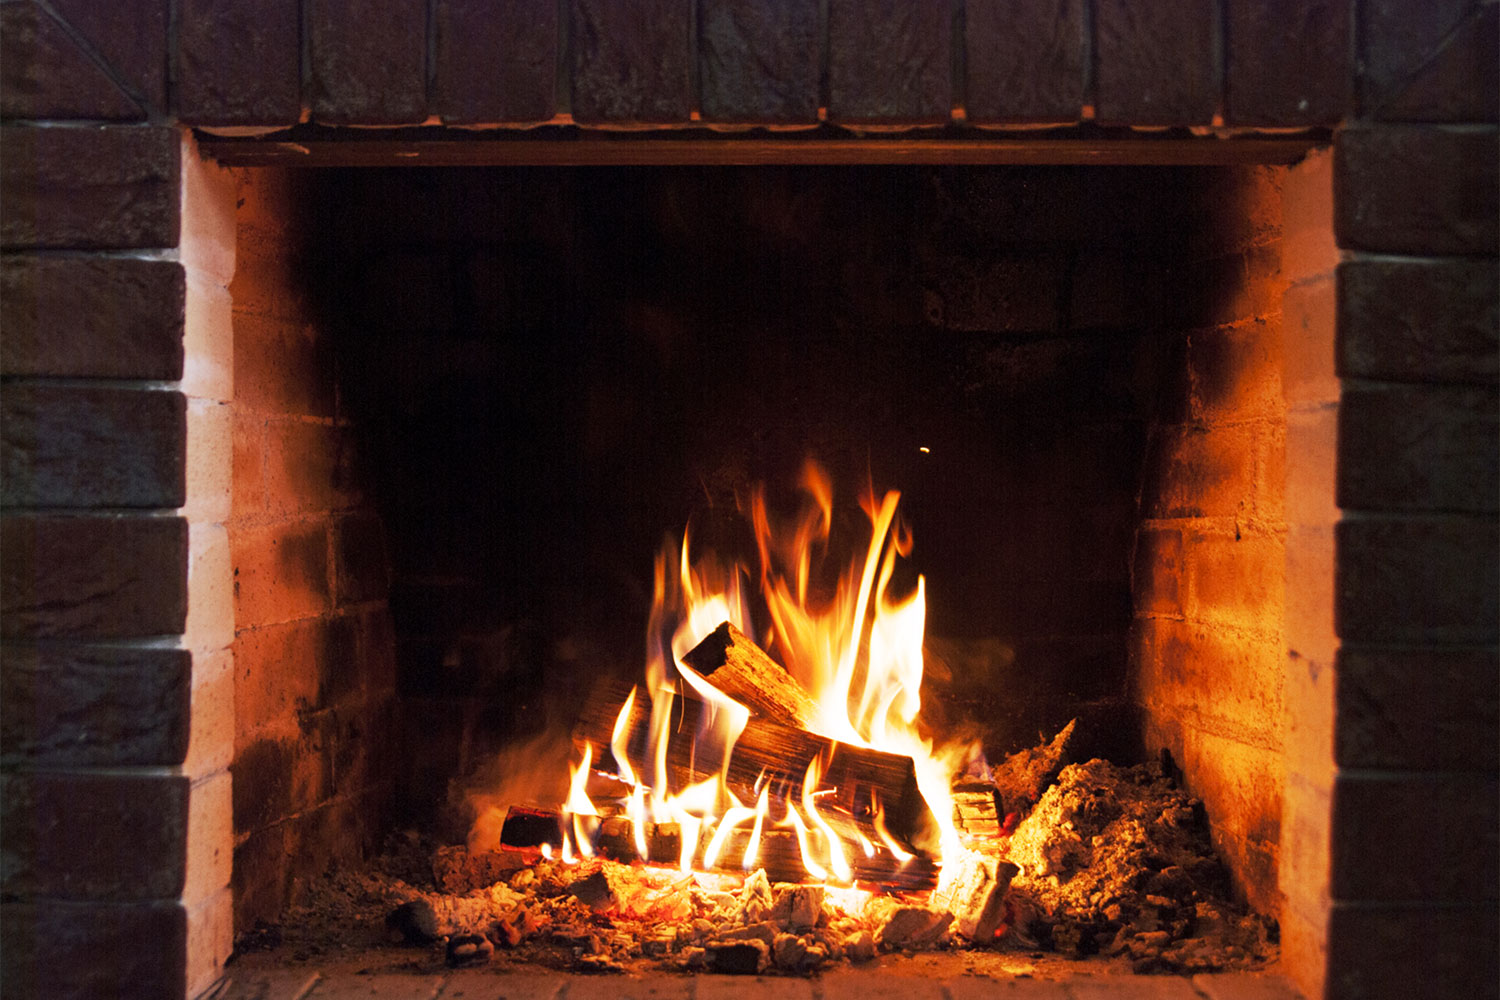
(470, 402)
(329, 493)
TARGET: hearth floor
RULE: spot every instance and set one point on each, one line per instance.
(948, 976)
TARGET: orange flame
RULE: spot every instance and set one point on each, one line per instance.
(858, 654)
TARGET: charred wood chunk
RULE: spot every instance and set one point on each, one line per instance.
(742, 670)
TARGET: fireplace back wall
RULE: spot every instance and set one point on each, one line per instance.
(539, 373)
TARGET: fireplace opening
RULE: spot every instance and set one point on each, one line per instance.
(471, 403)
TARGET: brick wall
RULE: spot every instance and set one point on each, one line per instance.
(313, 652)
(1208, 565)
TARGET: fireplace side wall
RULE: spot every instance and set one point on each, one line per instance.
(313, 646)
(1208, 579)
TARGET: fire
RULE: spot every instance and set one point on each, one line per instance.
(858, 654)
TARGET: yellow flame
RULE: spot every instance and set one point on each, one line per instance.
(836, 859)
(858, 653)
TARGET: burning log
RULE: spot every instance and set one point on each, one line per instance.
(740, 669)
(859, 777)
(778, 852)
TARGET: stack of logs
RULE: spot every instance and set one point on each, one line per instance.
(775, 749)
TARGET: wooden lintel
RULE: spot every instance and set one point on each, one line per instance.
(480, 151)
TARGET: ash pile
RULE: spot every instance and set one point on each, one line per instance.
(1109, 861)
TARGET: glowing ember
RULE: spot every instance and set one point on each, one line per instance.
(858, 655)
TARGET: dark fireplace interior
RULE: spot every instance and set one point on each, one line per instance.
(471, 404)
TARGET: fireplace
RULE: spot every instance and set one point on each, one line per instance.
(209, 514)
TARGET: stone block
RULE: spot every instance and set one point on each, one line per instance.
(282, 670)
(1418, 709)
(108, 188)
(280, 572)
(210, 618)
(239, 64)
(1308, 333)
(278, 777)
(1235, 372)
(1154, 63)
(113, 837)
(1418, 580)
(1412, 951)
(1430, 62)
(890, 61)
(282, 367)
(1308, 630)
(44, 74)
(1158, 578)
(361, 566)
(131, 39)
(210, 942)
(1417, 190)
(1212, 678)
(631, 61)
(309, 467)
(1419, 448)
(210, 839)
(495, 63)
(208, 339)
(80, 951)
(1230, 288)
(1308, 247)
(77, 705)
(1219, 471)
(1311, 464)
(368, 64)
(1444, 829)
(84, 447)
(1287, 65)
(101, 317)
(210, 450)
(759, 62)
(997, 293)
(211, 733)
(92, 577)
(1419, 320)
(1024, 62)
(1236, 579)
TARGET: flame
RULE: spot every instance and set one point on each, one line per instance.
(858, 654)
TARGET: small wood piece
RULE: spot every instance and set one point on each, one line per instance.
(975, 810)
(742, 670)
(1022, 778)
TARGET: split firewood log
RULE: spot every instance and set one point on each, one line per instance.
(742, 670)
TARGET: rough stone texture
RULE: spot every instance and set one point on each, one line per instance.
(1421, 448)
(1024, 62)
(81, 951)
(495, 62)
(1418, 580)
(1446, 826)
(67, 447)
(238, 63)
(108, 188)
(759, 62)
(1431, 61)
(1419, 320)
(1418, 709)
(1417, 951)
(109, 837)
(889, 61)
(368, 63)
(1417, 190)
(1287, 65)
(92, 577)
(131, 38)
(281, 572)
(91, 316)
(103, 706)
(1155, 63)
(44, 74)
(631, 61)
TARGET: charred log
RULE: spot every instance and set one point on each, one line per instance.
(742, 670)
